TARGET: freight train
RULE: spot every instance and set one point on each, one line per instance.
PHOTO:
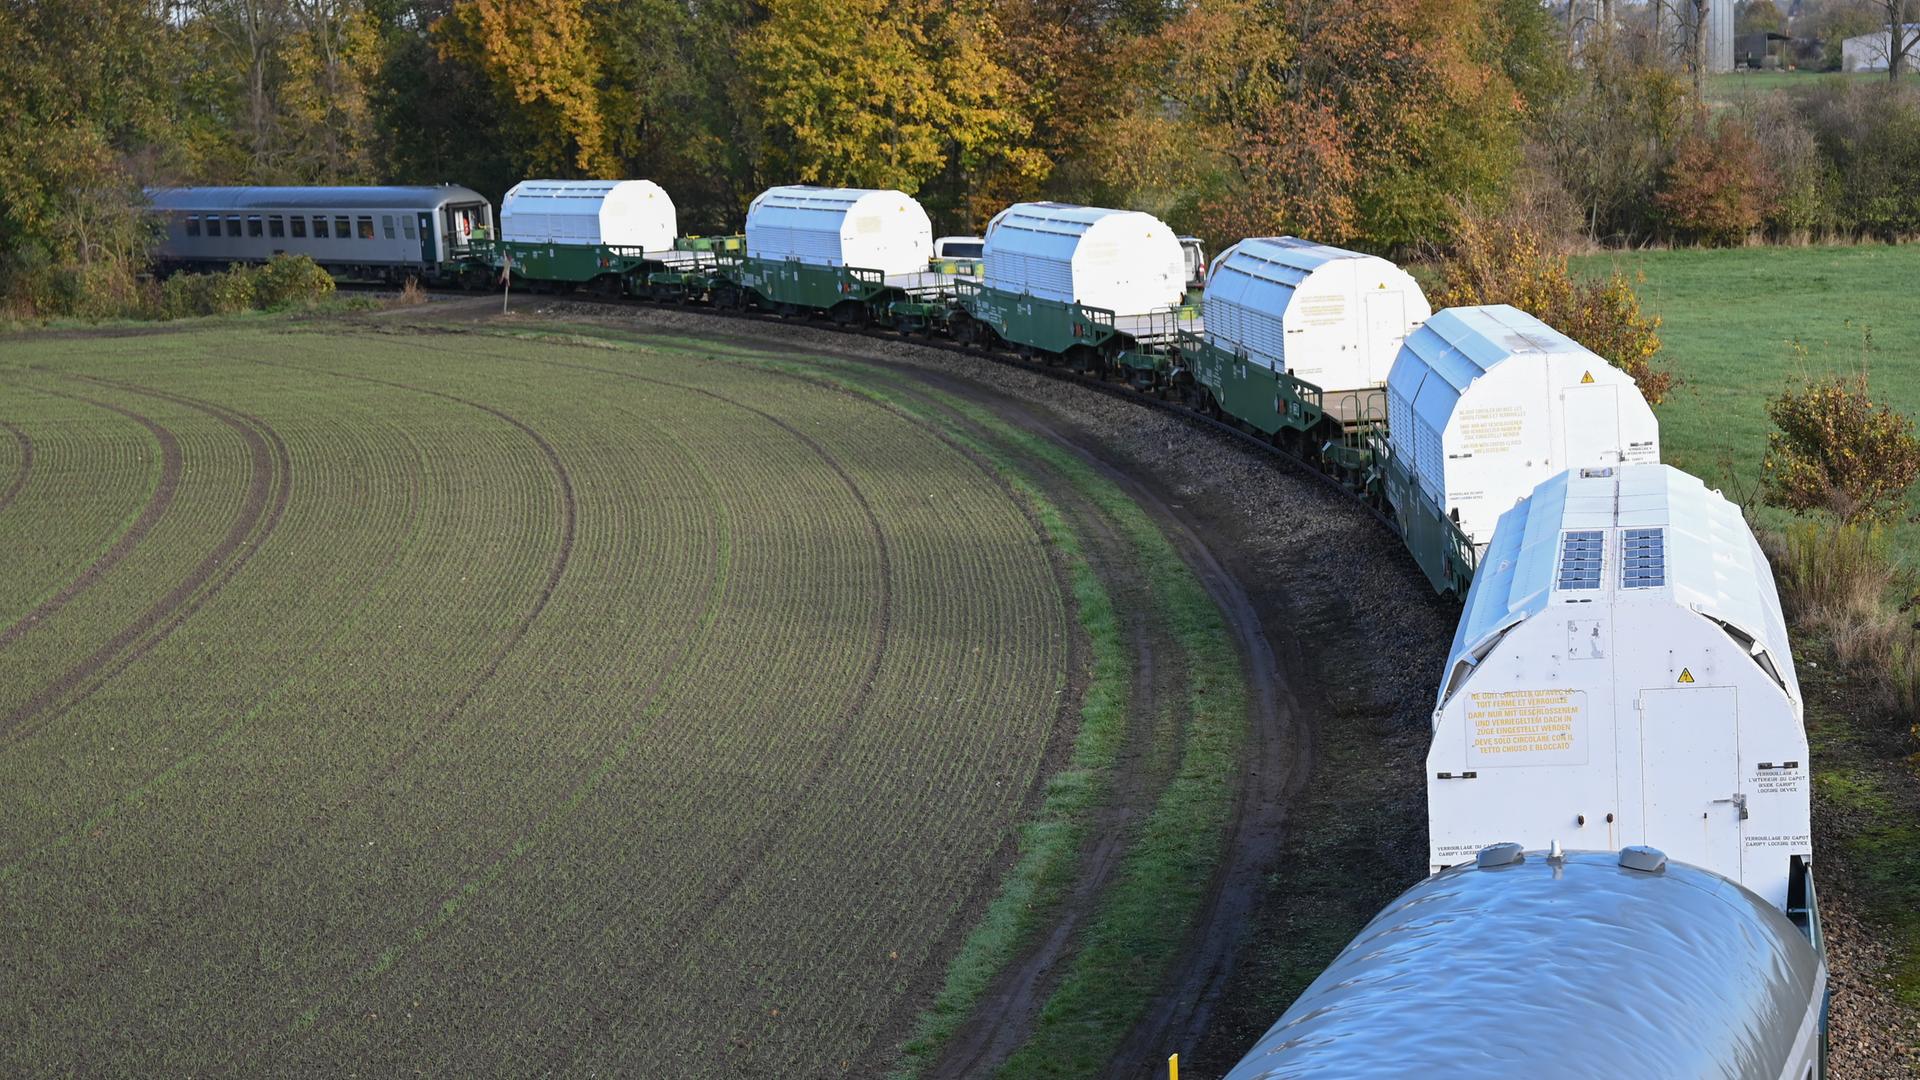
(1620, 695)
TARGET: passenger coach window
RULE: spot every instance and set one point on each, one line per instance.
(407, 224)
(276, 227)
(233, 224)
(193, 224)
(253, 225)
(342, 229)
(320, 226)
(386, 223)
(213, 225)
(299, 226)
(366, 228)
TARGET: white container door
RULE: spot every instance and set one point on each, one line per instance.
(1690, 758)
(1590, 425)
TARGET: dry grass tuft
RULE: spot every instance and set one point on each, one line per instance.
(1837, 581)
(411, 293)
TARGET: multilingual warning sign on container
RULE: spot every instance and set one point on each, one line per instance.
(1527, 727)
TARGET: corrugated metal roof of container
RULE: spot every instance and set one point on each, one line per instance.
(1462, 343)
(422, 197)
(1713, 563)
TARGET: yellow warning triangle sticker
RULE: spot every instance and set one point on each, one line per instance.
(1586, 378)
(1686, 675)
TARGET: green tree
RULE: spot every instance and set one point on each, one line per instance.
(88, 120)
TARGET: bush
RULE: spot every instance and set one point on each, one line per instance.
(1719, 188)
(1499, 262)
(286, 281)
(1835, 451)
(291, 281)
(1804, 184)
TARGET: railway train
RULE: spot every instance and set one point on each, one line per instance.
(1620, 681)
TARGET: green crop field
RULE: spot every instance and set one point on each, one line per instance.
(484, 706)
(1739, 324)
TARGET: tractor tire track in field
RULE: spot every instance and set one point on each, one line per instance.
(26, 464)
(151, 513)
(268, 491)
(12, 862)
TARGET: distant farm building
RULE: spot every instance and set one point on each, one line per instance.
(1757, 50)
(1870, 52)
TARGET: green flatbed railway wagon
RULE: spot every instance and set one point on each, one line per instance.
(1088, 337)
(604, 265)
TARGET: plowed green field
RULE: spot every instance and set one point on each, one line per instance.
(373, 703)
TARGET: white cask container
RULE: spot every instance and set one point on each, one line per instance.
(863, 228)
(1621, 675)
(1122, 261)
(1484, 403)
(1333, 317)
(626, 213)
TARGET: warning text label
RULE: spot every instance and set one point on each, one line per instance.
(1527, 727)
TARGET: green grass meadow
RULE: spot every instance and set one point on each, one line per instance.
(1740, 325)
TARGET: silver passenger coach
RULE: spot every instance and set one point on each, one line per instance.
(383, 233)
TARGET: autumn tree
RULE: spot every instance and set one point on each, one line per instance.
(1719, 188)
(88, 120)
(1344, 121)
(540, 59)
(881, 93)
(1499, 262)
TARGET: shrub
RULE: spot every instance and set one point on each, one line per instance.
(1499, 262)
(291, 281)
(184, 296)
(1836, 451)
(1719, 188)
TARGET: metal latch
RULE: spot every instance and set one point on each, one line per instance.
(1739, 799)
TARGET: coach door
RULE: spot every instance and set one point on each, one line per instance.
(1690, 764)
(427, 253)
